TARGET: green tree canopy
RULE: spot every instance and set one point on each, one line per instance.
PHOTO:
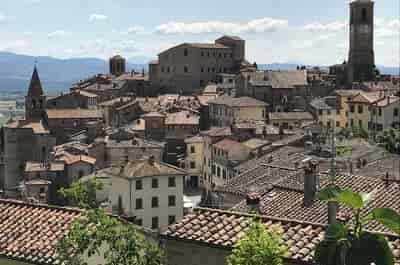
(99, 234)
(259, 247)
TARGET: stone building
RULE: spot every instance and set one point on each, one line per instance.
(194, 161)
(155, 125)
(361, 61)
(25, 140)
(120, 111)
(290, 120)
(282, 90)
(227, 110)
(121, 146)
(148, 192)
(72, 100)
(62, 123)
(190, 66)
(117, 65)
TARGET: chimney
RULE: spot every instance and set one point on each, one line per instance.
(310, 183)
(253, 201)
(388, 100)
(151, 160)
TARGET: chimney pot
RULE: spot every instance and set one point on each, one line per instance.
(310, 183)
(253, 201)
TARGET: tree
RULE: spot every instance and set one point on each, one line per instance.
(259, 247)
(391, 140)
(99, 234)
(349, 243)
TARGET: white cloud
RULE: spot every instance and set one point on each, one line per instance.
(330, 27)
(97, 17)
(3, 19)
(133, 30)
(17, 46)
(58, 34)
(253, 26)
(314, 42)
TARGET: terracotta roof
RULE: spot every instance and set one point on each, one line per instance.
(366, 97)
(73, 114)
(86, 94)
(30, 232)
(319, 103)
(230, 145)
(285, 200)
(216, 228)
(182, 118)
(278, 79)
(34, 182)
(70, 159)
(238, 102)
(145, 168)
(37, 127)
(32, 166)
(217, 132)
(290, 116)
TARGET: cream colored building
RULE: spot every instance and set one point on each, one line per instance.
(325, 114)
(194, 161)
(343, 96)
(227, 110)
(360, 111)
(190, 66)
(290, 120)
(149, 192)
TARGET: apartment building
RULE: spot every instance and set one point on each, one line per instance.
(148, 192)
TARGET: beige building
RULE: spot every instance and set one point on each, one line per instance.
(227, 154)
(194, 161)
(290, 120)
(343, 96)
(149, 192)
(190, 66)
(324, 113)
(227, 110)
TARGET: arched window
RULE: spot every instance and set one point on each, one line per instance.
(364, 15)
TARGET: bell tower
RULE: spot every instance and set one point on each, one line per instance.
(361, 56)
(35, 101)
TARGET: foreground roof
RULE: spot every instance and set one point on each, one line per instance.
(223, 229)
(31, 232)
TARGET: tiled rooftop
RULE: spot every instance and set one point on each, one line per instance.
(238, 102)
(285, 200)
(30, 233)
(223, 229)
(73, 114)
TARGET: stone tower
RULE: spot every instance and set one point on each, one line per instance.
(35, 101)
(361, 56)
(117, 65)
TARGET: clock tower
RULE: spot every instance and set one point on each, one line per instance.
(361, 56)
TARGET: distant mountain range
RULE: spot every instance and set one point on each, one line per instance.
(59, 74)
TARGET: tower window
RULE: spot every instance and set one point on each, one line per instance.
(185, 52)
(364, 15)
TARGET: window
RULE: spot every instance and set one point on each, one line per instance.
(218, 171)
(192, 149)
(320, 112)
(41, 190)
(192, 164)
(185, 52)
(171, 182)
(171, 201)
(352, 108)
(186, 69)
(139, 222)
(162, 69)
(380, 111)
(139, 185)
(360, 123)
(338, 112)
(364, 15)
(202, 70)
(168, 69)
(154, 202)
(328, 124)
(154, 223)
(208, 69)
(337, 123)
(202, 53)
(171, 219)
(154, 183)
(139, 204)
(213, 70)
(360, 109)
(224, 174)
(351, 122)
(396, 112)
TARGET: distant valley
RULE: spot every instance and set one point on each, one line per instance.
(59, 74)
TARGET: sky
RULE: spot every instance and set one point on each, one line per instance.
(311, 32)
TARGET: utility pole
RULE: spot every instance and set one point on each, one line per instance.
(332, 206)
